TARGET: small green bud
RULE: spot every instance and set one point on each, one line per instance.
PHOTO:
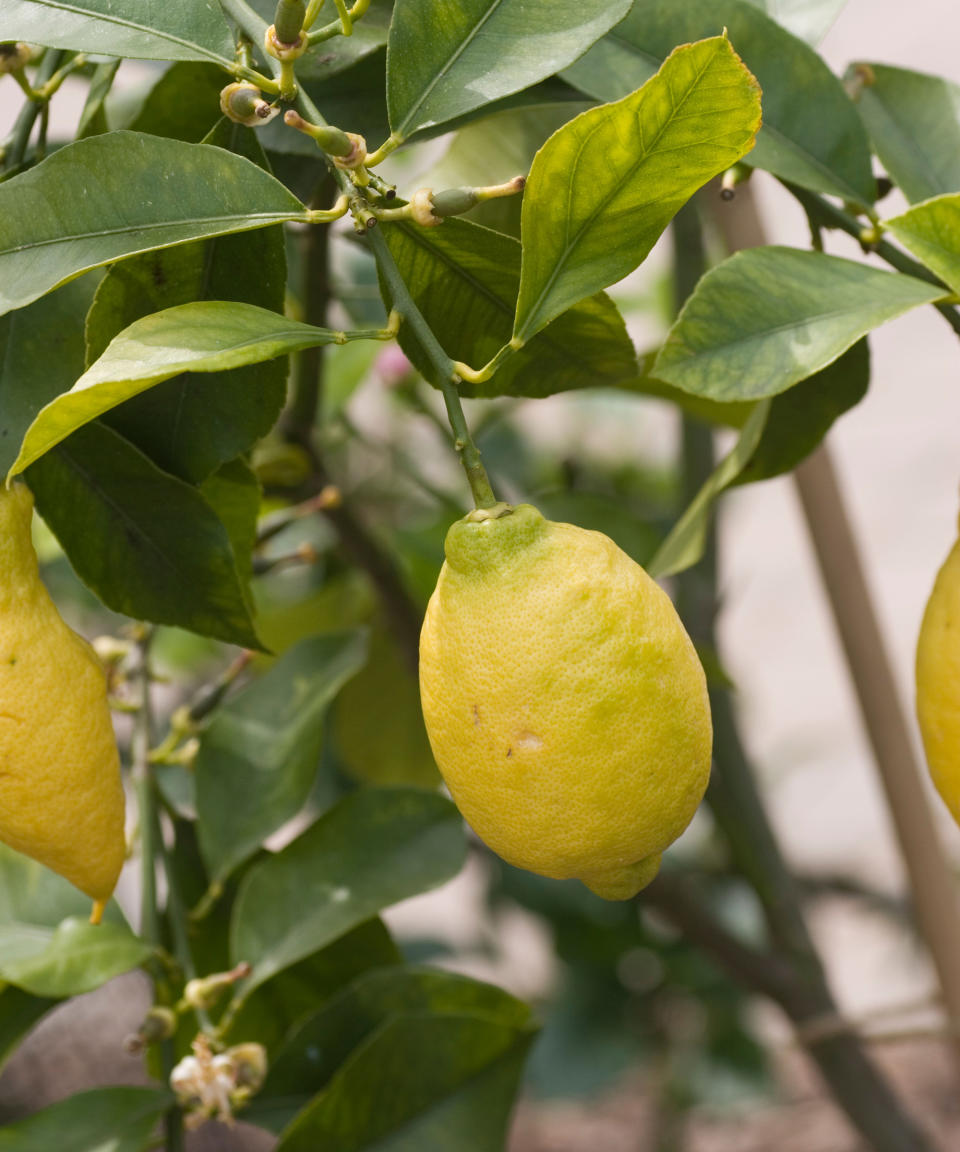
(288, 20)
(454, 201)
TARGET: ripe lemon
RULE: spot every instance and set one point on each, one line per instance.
(938, 682)
(565, 704)
(61, 798)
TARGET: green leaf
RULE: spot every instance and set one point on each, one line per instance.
(41, 355)
(207, 336)
(233, 492)
(932, 233)
(801, 417)
(36, 899)
(93, 118)
(685, 544)
(147, 543)
(192, 423)
(184, 104)
(373, 849)
(479, 50)
(269, 1014)
(173, 30)
(323, 1041)
(104, 1120)
(115, 195)
(811, 20)
(19, 1011)
(258, 758)
(422, 1083)
(605, 186)
(811, 132)
(73, 958)
(767, 318)
(914, 123)
(326, 1039)
(464, 279)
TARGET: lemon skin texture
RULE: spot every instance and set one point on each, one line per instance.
(61, 797)
(938, 682)
(565, 704)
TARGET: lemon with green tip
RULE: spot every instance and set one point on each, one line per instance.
(61, 796)
(565, 704)
(938, 681)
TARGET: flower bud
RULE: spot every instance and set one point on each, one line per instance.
(243, 103)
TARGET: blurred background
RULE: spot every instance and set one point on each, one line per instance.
(646, 1045)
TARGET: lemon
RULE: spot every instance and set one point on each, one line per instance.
(61, 798)
(565, 704)
(938, 682)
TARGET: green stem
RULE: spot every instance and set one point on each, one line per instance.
(20, 137)
(151, 847)
(821, 211)
(446, 373)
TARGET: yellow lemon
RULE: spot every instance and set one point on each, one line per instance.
(61, 798)
(565, 704)
(938, 681)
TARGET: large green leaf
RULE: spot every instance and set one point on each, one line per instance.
(324, 1040)
(73, 958)
(271, 1012)
(811, 133)
(422, 1083)
(234, 493)
(146, 542)
(121, 193)
(192, 423)
(809, 19)
(801, 417)
(207, 336)
(41, 355)
(184, 104)
(47, 947)
(104, 1120)
(685, 544)
(932, 233)
(172, 30)
(768, 317)
(370, 851)
(914, 123)
(464, 279)
(605, 186)
(479, 50)
(258, 758)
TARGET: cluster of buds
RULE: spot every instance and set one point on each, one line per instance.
(213, 1085)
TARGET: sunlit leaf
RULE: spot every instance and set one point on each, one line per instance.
(931, 231)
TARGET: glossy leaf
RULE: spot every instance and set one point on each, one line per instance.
(767, 318)
(147, 543)
(464, 279)
(423, 1083)
(324, 1040)
(73, 958)
(194, 422)
(932, 233)
(811, 132)
(800, 417)
(480, 50)
(603, 188)
(104, 1120)
(258, 758)
(123, 193)
(685, 544)
(811, 20)
(172, 30)
(372, 850)
(207, 336)
(275, 1008)
(914, 123)
(41, 355)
